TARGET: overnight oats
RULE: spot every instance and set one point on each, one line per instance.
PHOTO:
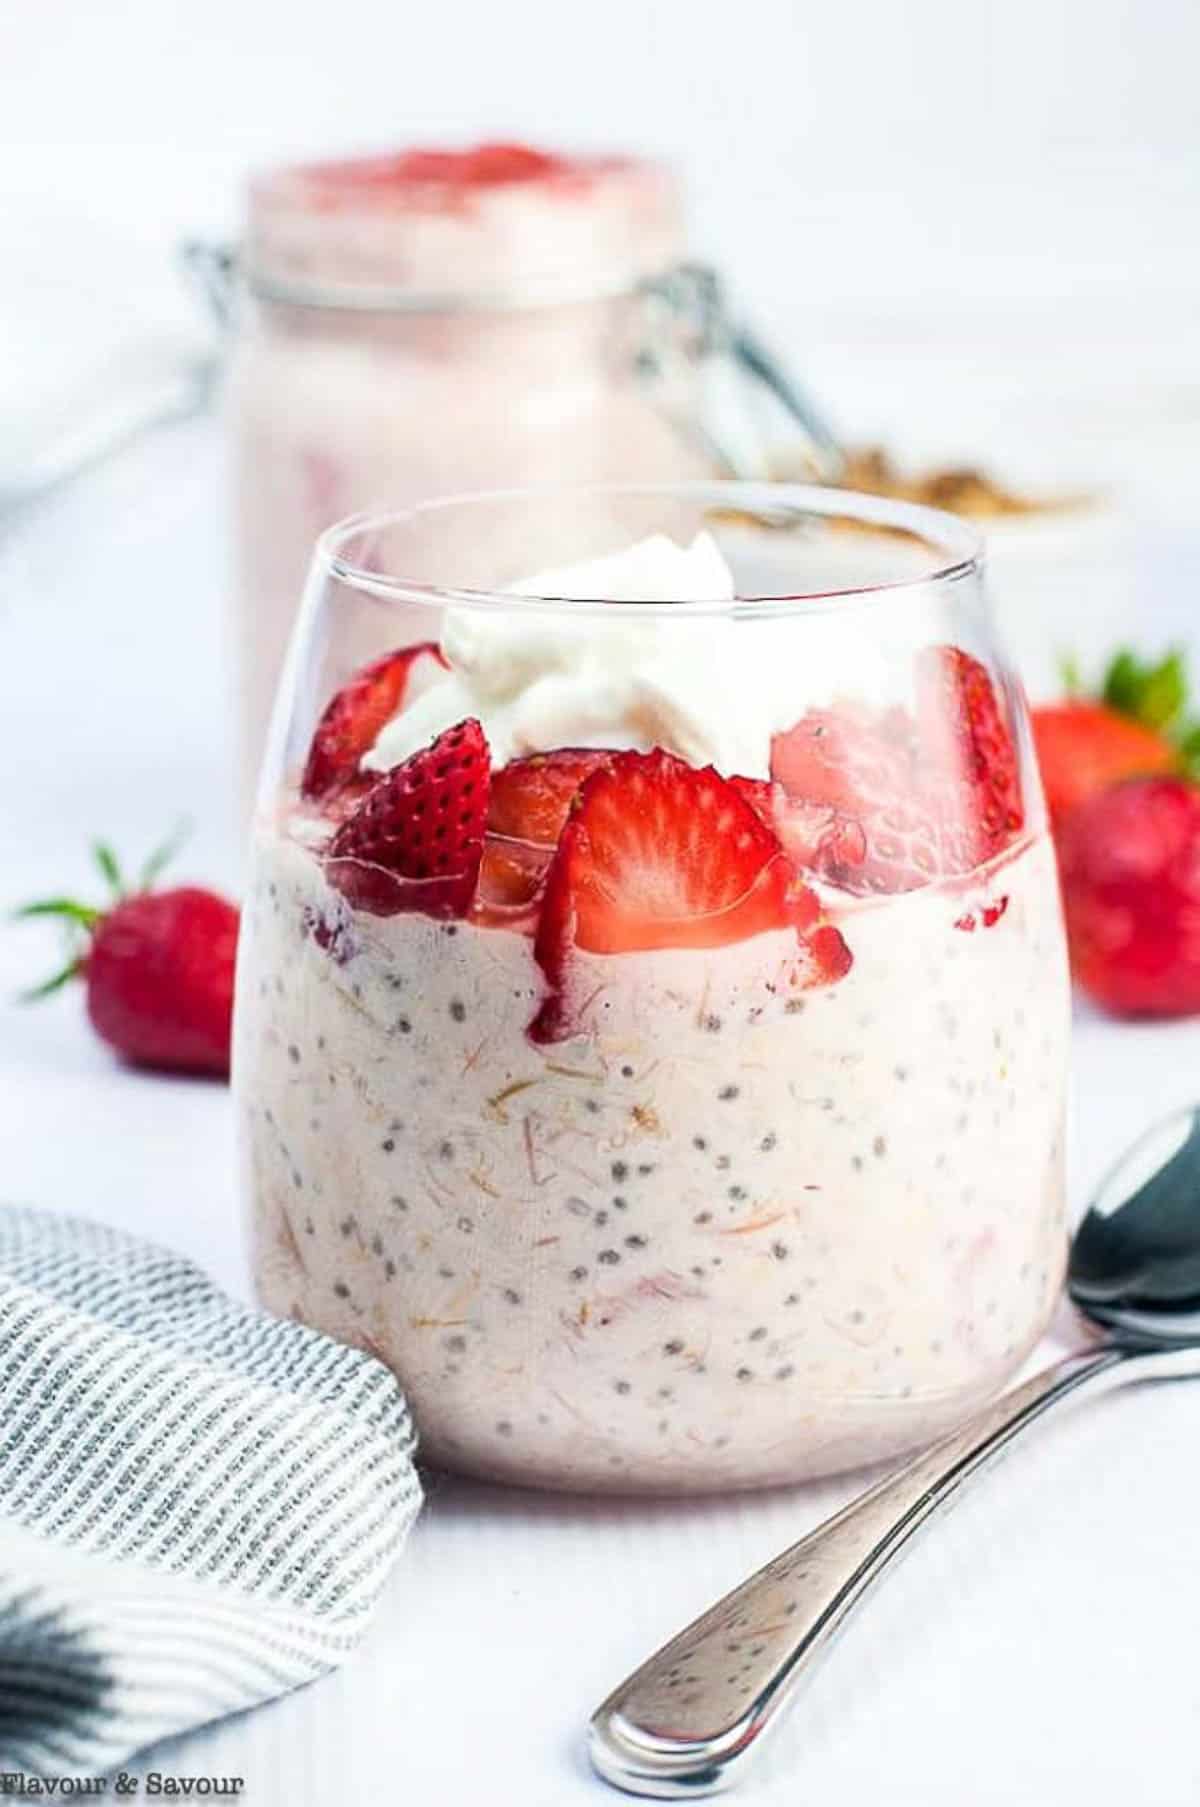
(652, 1009)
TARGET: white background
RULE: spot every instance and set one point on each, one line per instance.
(950, 210)
(974, 224)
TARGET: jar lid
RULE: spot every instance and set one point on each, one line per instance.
(498, 225)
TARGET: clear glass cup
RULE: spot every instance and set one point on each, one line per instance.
(666, 1074)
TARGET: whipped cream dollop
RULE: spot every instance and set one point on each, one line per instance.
(541, 679)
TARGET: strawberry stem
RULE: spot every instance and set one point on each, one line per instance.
(1153, 694)
(49, 986)
(1069, 674)
(163, 855)
(64, 907)
(110, 868)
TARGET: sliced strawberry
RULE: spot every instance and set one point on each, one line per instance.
(964, 733)
(904, 803)
(510, 882)
(415, 842)
(760, 794)
(354, 717)
(842, 756)
(531, 797)
(814, 836)
(658, 855)
(852, 789)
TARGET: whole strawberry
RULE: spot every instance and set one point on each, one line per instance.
(158, 967)
(1130, 863)
(1135, 727)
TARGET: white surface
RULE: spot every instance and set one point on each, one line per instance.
(1035, 1649)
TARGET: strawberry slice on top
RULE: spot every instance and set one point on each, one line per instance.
(850, 775)
(415, 841)
(656, 854)
(532, 797)
(907, 801)
(965, 733)
(355, 716)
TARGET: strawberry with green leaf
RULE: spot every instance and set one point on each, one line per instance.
(1137, 726)
(158, 966)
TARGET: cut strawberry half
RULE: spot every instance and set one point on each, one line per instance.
(658, 855)
(904, 802)
(853, 799)
(815, 836)
(965, 735)
(510, 883)
(355, 716)
(415, 842)
(532, 797)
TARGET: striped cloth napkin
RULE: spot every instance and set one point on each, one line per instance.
(199, 1504)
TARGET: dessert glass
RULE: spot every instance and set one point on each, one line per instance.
(712, 1136)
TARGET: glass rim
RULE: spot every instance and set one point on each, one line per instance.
(959, 544)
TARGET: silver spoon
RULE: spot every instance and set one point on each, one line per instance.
(690, 1719)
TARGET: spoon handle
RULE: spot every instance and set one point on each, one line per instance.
(686, 1722)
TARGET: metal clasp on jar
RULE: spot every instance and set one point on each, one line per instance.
(687, 330)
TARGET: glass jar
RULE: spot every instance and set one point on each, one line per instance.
(434, 323)
(652, 1014)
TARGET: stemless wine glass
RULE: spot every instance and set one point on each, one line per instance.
(652, 1012)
